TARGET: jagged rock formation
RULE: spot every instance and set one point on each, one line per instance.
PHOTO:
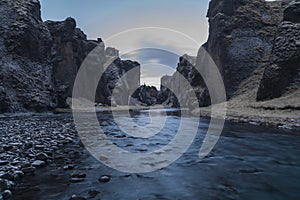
(118, 82)
(181, 89)
(245, 37)
(247, 40)
(282, 74)
(145, 95)
(165, 95)
(241, 37)
(292, 12)
(39, 60)
(69, 48)
(26, 81)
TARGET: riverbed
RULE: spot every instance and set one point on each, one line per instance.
(248, 162)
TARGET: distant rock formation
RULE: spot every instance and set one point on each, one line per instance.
(255, 44)
(69, 48)
(181, 90)
(39, 60)
(121, 77)
(145, 96)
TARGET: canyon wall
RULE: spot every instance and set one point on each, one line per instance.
(26, 79)
(255, 45)
(282, 74)
(39, 60)
(174, 89)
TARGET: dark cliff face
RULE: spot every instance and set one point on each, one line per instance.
(69, 48)
(241, 36)
(282, 74)
(23, 31)
(145, 95)
(39, 60)
(181, 90)
(118, 82)
(248, 40)
(26, 81)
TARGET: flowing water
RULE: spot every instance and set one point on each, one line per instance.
(248, 162)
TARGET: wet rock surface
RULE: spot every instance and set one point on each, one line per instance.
(28, 144)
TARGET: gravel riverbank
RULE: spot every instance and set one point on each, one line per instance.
(28, 144)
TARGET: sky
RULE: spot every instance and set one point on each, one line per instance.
(153, 32)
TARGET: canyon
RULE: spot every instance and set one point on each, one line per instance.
(255, 46)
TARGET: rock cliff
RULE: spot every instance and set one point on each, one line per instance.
(282, 75)
(39, 60)
(145, 95)
(255, 45)
(181, 90)
(26, 81)
(118, 82)
(241, 37)
(69, 49)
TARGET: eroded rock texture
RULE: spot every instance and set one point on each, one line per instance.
(118, 82)
(245, 37)
(26, 81)
(69, 48)
(282, 74)
(145, 95)
(39, 60)
(241, 37)
(176, 90)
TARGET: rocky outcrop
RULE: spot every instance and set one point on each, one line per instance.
(26, 81)
(282, 74)
(145, 95)
(292, 12)
(241, 43)
(241, 37)
(165, 95)
(39, 60)
(174, 89)
(69, 48)
(118, 82)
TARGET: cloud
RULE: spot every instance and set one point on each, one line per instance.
(154, 61)
(153, 56)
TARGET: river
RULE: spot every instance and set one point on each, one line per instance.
(248, 162)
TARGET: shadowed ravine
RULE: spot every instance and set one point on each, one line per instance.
(248, 162)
